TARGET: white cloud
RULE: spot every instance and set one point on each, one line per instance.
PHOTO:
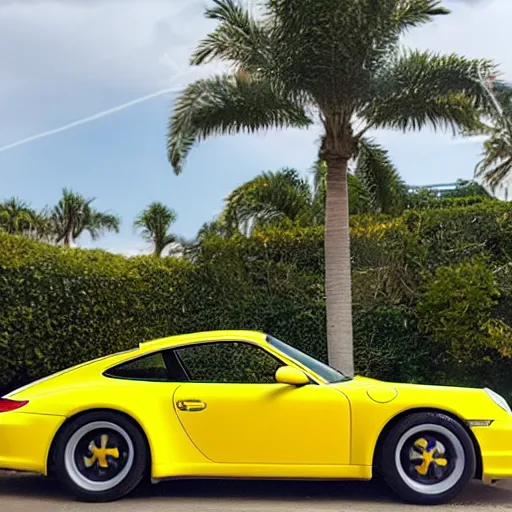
(475, 29)
(96, 43)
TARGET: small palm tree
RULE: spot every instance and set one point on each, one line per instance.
(74, 214)
(273, 197)
(155, 222)
(268, 199)
(16, 216)
(42, 227)
(336, 63)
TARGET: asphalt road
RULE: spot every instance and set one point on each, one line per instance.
(24, 493)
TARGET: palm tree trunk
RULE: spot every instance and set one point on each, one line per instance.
(158, 249)
(338, 282)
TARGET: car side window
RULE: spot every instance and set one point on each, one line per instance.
(229, 362)
(150, 368)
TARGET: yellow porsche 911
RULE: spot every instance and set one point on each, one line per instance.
(241, 404)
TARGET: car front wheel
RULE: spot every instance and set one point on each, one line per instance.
(100, 456)
(427, 458)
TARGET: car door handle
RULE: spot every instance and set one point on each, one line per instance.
(190, 405)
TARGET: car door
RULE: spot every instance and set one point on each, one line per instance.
(234, 411)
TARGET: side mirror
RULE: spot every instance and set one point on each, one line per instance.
(292, 376)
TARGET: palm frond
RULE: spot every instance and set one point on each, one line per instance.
(97, 223)
(422, 88)
(238, 38)
(495, 175)
(16, 216)
(228, 104)
(218, 227)
(269, 198)
(380, 178)
(496, 164)
(412, 13)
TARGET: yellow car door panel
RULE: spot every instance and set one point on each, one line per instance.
(266, 423)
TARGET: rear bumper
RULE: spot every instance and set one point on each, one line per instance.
(25, 440)
(496, 448)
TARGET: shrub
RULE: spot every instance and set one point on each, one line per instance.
(470, 344)
(59, 307)
(429, 288)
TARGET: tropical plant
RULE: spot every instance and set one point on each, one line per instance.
(336, 62)
(42, 227)
(376, 172)
(466, 188)
(218, 227)
(154, 223)
(496, 164)
(16, 216)
(374, 185)
(74, 214)
(270, 198)
(465, 193)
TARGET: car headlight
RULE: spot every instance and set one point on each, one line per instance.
(498, 400)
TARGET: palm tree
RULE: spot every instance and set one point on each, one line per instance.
(496, 164)
(16, 216)
(74, 214)
(154, 223)
(268, 199)
(42, 227)
(273, 197)
(335, 62)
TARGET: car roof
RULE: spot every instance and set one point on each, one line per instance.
(202, 337)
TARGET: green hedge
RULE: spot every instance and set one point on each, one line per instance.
(62, 306)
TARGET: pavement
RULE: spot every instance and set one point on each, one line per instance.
(24, 493)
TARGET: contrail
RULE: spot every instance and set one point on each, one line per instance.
(86, 120)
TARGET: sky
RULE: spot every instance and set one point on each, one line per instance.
(87, 86)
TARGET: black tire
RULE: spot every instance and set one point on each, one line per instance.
(412, 448)
(79, 469)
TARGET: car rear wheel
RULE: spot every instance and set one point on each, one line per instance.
(100, 456)
(427, 458)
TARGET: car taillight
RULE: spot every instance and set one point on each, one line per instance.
(7, 405)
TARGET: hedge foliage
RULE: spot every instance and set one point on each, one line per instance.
(432, 297)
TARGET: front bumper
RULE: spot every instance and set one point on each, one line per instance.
(495, 444)
(25, 440)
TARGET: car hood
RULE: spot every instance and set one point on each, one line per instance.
(467, 403)
(360, 381)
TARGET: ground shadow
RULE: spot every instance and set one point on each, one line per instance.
(35, 487)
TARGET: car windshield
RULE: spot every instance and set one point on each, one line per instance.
(329, 374)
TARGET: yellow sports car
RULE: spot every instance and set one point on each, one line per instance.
(246, 405)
